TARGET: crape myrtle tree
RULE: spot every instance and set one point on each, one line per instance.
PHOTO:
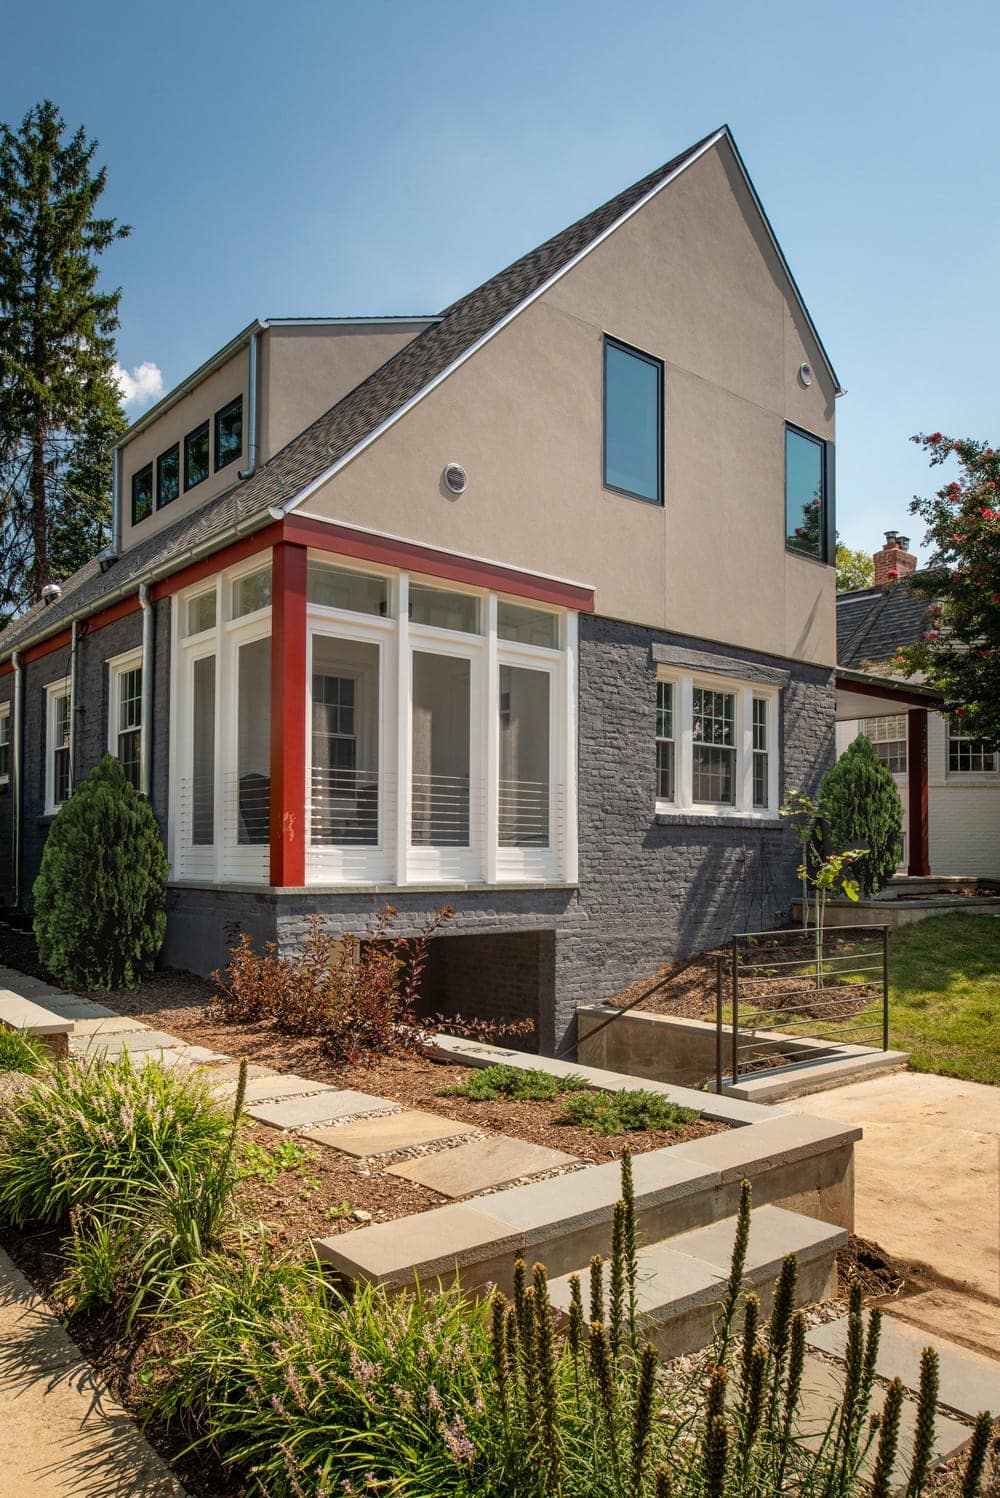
(959, 653)
(59, 399)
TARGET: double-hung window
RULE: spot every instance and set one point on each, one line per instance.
(715, 746)
(888, 739)
(125, 715)
(633, 422)
(968, 756)
(57, 742)
(4, 743)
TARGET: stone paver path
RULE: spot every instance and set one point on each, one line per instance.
(393, 1131)
(969, 1382)
(481, 1164)
(61, 1433)
(316, 1108)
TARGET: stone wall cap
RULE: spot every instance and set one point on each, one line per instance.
(719, 665)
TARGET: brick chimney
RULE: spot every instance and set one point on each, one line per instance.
(895, 557)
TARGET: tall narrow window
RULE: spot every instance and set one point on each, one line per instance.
(203, 752)
(196, 456)
(4, 742)
(168, 476)
(57, 769)
(126, 717)
(665, 742)
(633, 422)
(805, 493)
(714, 748)
(441, 751)
(524, 758)
(345, 695)
(229, 433)
(142, 494)
(761, 752)
(253, 742)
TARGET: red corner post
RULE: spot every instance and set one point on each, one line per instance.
(288, 714)
(919, 861)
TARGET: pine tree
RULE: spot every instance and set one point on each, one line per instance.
(861, 801)
(100, 895)
(59, 400)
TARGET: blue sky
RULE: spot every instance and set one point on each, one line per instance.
(310, 158)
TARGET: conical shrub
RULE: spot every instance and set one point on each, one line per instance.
(99, 899)
(862, 803)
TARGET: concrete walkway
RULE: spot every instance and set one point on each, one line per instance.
(927, 1171)
(61, 1433)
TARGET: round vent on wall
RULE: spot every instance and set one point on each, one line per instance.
(806, 374)
(455, 477)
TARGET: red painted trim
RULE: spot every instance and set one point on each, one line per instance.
(918, 832)
(113, 612)
(226, 556)
(6, 667)
(46, 647)
(412, 557)
(901, 695)
(288, 715)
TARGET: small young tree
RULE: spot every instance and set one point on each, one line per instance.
(99, 898)
(860, 798)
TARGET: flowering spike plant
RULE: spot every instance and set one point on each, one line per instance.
(959, 653)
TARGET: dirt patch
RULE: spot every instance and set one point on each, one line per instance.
(879, 1273)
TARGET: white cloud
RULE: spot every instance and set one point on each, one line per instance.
(140, 386)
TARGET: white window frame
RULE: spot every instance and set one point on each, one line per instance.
(967, 777)
(684, 804)
(54, 692)
(876, 731)
(118, 666)
(6, 727)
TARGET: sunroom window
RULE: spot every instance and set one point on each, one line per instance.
(342, 588)
(345, 733)
(201, 612)
(203, 752)
(443, 609)
(253, 741)
(441, 750)
(252, 592)
(524, 758)
(527, 626)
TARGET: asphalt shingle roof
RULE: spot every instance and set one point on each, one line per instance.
(872, 625)
(334, 434)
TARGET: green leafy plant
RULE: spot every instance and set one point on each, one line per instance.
(861, 800)
(22, 1052)
(97, 1260)
(100, 895)
(624, 1112)
(96, 1131)
(515, 1083)
(266, 1162)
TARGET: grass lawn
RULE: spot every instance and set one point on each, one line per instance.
(944, 977)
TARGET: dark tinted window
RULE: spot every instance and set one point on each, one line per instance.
(168, 476)
(633, 422)
(229, 433)
(142, 494)
(805, 493)
(196, 456)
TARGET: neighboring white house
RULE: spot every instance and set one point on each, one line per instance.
(963, 774)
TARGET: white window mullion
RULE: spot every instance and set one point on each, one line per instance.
(404, 733)
(685, 742)
(492, 741)
(744, 751)
(571, 857)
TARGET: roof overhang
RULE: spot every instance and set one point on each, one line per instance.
(861, 695)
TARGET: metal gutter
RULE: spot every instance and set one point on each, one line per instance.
(146, 737)
(253, 410)
(74, 643)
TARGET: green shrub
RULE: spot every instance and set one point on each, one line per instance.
(89, 1133)
(99, 899)
(624, 1112)
(861, 800)
(515, 1083)
(22, 1052)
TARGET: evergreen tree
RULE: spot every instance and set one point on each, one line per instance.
(861, 801)
(100, 895)
(59, 399)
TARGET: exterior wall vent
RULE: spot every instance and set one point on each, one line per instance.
(455, 477)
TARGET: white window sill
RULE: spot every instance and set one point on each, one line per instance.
(700, 816)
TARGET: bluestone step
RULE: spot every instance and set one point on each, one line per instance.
(969, 1382)
(315, 1108)
(680, 1281)
(480, 1164)
(393, 1131)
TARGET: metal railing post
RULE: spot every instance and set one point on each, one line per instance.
(719, 1006)
(885, 988)
(736, 1009)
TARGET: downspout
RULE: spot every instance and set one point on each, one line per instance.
(146, 758)
(17, 765)
(116, 519)
(253, 435)
(74, 643)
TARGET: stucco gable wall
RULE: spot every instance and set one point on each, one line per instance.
(692, 279)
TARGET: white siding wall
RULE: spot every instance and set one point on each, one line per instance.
(964, 809)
